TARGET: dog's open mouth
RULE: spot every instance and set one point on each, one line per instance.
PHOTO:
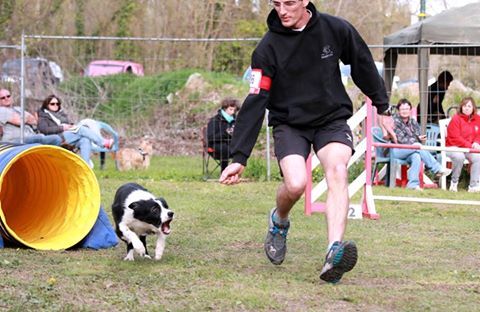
(166, 227)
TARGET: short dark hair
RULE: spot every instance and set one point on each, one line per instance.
(230, 102)
(403, 101)
(48, 99)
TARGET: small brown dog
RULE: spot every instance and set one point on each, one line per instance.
(135, 158)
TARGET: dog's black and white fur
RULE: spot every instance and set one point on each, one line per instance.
(137, 213)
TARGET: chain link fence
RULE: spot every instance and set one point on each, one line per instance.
(181, 87)
(462, 61)
(184, 81)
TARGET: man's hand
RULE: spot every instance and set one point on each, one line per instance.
(475, 145)
(387, 124)
(422, 138)
(67, 127)
(231, 174)
(17, 119)
(30, 119)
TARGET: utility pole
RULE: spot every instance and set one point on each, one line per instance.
(422, 13)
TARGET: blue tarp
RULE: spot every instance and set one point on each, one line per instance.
(102, 234)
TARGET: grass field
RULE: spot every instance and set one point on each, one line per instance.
(416, 257)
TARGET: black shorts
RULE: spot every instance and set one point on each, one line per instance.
(290, 140)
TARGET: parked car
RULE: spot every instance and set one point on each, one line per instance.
(42, 76)
(111, 67)
(38, 67)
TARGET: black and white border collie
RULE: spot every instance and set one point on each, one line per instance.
(137, 213)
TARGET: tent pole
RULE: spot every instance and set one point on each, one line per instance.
(423, 64)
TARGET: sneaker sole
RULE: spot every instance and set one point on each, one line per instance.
(344, 261)
(272, 260)
(275, 261)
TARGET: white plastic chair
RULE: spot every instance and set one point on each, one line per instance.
(443, 124)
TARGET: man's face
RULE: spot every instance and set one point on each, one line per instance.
(404, 111)
(5, 98)
(290, 12)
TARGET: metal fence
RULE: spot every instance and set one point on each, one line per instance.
(410, 69)
(170, 102)
(161, 104)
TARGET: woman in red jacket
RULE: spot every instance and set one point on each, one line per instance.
(464, 131)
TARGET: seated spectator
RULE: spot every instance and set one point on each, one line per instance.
(53, 120)
(11, 119)
(407, 131)
(220, 130)
(464, 131)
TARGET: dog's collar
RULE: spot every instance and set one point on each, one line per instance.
(144, 154)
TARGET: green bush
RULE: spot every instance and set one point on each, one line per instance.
(120, 99)
(257, 170)
(234, 57)
(119, 95)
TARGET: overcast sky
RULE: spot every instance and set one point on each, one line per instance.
(434, 7)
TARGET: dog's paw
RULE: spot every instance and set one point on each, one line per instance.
(128, 257)
(140, 250)
(147, 256)
(158, 257)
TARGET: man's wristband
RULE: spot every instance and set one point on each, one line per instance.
(388, 111)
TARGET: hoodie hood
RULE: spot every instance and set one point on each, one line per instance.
(275, 25)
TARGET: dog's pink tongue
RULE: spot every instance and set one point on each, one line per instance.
(166, 228)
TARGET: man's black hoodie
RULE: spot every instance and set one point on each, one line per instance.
(306, 89)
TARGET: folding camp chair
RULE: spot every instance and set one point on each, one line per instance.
(208, 167)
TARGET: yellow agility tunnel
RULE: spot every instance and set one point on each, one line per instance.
(49, 197)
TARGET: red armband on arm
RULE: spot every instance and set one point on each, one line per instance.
(259, 81)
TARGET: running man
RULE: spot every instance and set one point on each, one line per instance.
(296, 76)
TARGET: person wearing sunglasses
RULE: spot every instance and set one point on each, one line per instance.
(11, 119)
(296, 76)
(52, 119)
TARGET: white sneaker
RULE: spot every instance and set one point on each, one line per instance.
(474, 189)
(443, 172)
(453, 187)
(418, 188)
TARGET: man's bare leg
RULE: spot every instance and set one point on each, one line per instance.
(334, 158)
(342, 255)
(293, 185)
(290, 190)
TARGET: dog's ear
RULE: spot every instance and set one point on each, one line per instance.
(133, 205)
(155, 208)
(163, 201)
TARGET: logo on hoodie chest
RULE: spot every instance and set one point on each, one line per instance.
(326, 52)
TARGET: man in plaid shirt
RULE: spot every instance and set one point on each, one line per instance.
(407, 131)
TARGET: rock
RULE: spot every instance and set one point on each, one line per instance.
(170, 98)
(195, 82)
